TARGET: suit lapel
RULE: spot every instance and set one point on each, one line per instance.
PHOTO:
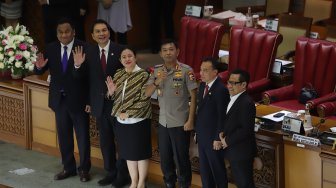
(97, 56)
(59, 57)
(111, 55)
(236, 103)
(202, 100)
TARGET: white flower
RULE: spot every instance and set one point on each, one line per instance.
(31, 67)
(26, 54)
(2, 65)
(18, 64)
(1, 56)
(11, 53)
(30, 40)
(11, 59)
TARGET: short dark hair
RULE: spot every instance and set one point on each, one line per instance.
(169, 41)
(214, 62)
(129, 48)
(244, 76)
(101, 21)
(65, 20)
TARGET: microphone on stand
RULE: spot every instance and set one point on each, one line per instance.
(316, 130)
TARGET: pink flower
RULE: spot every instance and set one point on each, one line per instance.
(18, 56)
(23, 46)
(34, 48)
(3, 42)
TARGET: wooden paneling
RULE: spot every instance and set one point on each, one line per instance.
(302, 167)
(12, 127)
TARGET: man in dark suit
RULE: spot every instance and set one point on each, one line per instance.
(237, 131)
(103, 60)
(53, 10)
(69, 99)
(212, 100)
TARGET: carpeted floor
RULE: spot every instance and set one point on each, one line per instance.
(13, 157)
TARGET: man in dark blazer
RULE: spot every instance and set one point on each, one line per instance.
(237, 131)
(212, 100)
(69, 99)
(53, 10)
(99, 68)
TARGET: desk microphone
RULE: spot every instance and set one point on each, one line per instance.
(316, 130)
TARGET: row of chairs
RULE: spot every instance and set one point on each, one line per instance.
(254, 50)
(316, 9)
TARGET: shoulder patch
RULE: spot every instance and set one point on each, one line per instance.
(191, 75)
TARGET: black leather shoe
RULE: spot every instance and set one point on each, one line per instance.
(170, 185)
(107, 180)
(84, 176)
(121, 182)
(64, 174)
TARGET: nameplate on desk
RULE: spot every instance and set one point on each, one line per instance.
(293, 125)
(271, 25)
(306, 140)
(277, 67)
(192, 10)
(314, 35)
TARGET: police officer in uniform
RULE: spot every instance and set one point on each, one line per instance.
(175, 84)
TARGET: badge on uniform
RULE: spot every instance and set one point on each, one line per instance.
(191, 76)
(177, 87)
(178, 74)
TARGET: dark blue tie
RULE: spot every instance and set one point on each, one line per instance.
(65, 59)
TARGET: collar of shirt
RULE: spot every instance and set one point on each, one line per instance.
(69, 48)
(211, 83)
(106, 48)
(233, 100)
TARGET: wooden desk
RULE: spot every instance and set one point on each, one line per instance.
(282, 159)
(12, 127)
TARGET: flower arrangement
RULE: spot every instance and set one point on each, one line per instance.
(17, 50)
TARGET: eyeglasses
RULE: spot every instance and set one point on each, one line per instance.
(233, 82)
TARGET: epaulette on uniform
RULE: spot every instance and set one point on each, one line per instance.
(185, 66)
(158, 66)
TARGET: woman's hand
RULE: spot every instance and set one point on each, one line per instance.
(123, 116)
(110, 85)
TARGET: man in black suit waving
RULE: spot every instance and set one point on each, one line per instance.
(103, 60)
(69, 99)
(237, 131)
(212, 100)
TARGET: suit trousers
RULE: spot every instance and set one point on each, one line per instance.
(66, 121)
(174, 147)
(212, 167)
(242, 172)
(105, 125)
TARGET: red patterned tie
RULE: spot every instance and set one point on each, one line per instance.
(206, 91)
(103, 59)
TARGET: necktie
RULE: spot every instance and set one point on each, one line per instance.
(65, 59)
(206, 91)
(103, 59)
